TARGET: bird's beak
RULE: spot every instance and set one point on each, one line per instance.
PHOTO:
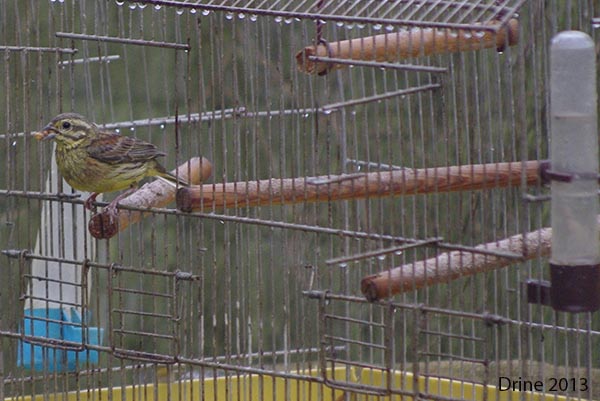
(47, 133)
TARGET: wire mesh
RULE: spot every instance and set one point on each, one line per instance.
(249, 287)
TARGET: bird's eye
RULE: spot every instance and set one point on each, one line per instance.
(66, 125)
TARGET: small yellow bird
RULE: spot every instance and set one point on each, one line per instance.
(98, 161)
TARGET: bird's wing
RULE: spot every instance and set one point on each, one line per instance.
(114, 148)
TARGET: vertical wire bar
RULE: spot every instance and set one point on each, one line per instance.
(539, 66)
(519, 125)
(479, 289)
(342, 155)
(185, 334)
(26, 68)
(249, 70)
(241, 168)
(285, 161)
(211, 290)
(178, 94)
(252, 146)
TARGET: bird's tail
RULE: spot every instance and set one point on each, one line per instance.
(171, 179)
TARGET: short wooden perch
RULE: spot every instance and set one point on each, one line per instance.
(153, 194)
(356, 186)
(453, 265)
(406, 44)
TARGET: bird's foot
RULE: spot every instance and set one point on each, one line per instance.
(89, 202)
(112, 206)
(111, 209)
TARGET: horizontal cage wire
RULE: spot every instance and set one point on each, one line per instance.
(435, 13)
(283, 200)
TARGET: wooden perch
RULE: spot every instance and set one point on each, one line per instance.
(453, 265)
(356, 186)
(153, 194)
(406, 44)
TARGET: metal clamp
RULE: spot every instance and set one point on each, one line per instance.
(547, 175)
(572, 288)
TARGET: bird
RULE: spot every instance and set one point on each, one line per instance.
(95, 160)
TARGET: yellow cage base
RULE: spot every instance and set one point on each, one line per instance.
(264, 387)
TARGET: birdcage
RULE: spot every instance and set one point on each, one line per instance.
(362, 203)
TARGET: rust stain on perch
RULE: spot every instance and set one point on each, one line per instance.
(356, 186)
(153, 194)
(415, 42)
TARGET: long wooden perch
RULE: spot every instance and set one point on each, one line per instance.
(450, 266)
(153, 194)
(356, 186)
(406, 44)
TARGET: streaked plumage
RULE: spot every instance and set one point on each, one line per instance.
(99, 161)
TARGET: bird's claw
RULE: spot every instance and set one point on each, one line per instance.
(89, 205)
(111, 210)
(89, 202)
